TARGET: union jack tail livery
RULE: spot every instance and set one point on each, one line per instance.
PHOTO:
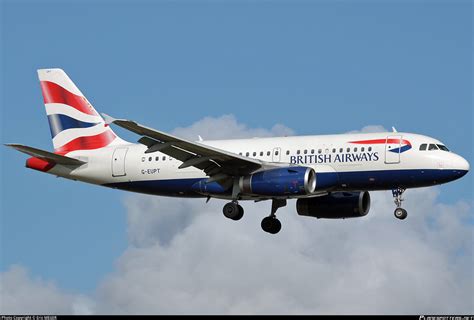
(73, 121)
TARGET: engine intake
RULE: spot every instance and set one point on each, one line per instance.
(336, 205)
(280, 182)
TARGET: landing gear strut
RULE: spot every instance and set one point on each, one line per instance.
(233, 210)
(271, 224)
(399, 212)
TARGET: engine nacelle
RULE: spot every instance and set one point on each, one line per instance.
(336, 205)
(280, 182)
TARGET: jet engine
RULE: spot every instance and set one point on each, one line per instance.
(280, 182)
(336, 205)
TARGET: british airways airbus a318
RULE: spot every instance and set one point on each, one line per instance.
(329, 175)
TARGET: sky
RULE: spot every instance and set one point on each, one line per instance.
(224, 69)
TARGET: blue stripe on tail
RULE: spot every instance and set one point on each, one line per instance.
(61, 122)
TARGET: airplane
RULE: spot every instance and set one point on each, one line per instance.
(330, 176)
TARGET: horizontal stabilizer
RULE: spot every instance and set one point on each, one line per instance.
(46, 155)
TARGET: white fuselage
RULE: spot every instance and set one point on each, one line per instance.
(364, 161)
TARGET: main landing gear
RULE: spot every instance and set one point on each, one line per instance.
(399, 212)
(270, 224)
(233, 210)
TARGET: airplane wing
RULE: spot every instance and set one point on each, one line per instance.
(216, 163)
(46, 155)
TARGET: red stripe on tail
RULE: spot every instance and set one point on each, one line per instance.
(87, 143)
(54, 93)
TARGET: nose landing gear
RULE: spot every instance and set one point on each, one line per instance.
(399, 212)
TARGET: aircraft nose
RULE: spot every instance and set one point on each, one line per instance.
(461, 165)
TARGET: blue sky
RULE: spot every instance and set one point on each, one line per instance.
(316, 67)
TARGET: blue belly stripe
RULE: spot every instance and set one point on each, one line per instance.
(360, 180)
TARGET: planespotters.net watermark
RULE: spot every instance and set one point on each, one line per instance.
(446, 318)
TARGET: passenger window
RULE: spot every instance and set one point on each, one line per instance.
(143, 159)
(268, 153)
(341, 150)
(312, 151)
(333, 150)
(157, 158)
(287, 152)
(370, 149)
(319, 151)
(355, 149)
(348, 150)
(276, 153)
(149, 159)
(240, 153)
(298, 152)
(261, 153)
(164, 158)
(254, 153)
(432, 147)
(247, 154)
(423, 147)
(362, 149)
(305, 151)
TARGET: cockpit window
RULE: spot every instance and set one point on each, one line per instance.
(441, 147)
(423, 147)
(432, 147)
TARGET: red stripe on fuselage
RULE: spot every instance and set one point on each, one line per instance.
(54, 93)
(87, 143)
(382, 141)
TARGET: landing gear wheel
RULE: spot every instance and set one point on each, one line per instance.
(241, 213)
(271, 225)
(400, 213)
(233, 210)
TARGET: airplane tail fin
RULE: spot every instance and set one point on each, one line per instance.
(73, 121)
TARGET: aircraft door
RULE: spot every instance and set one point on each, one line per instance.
(118, 162)
(392, 149)
(276, 155)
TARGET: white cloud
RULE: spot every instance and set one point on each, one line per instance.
(186, 257)
(370, 129)
(227, 127)
(22, 294)
(368, 265)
